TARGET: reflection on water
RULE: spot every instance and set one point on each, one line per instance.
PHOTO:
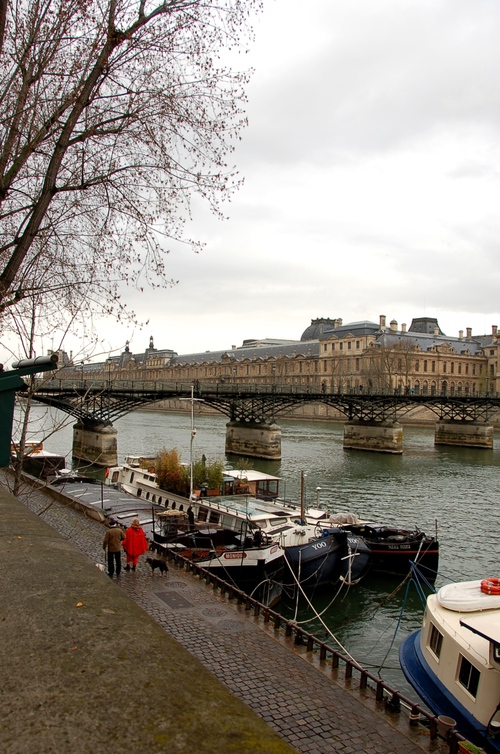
(456, 490)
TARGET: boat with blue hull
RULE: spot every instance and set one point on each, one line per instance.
(453, 661)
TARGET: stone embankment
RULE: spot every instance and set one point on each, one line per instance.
(146, 663)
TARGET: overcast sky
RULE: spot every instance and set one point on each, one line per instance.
(371, 166)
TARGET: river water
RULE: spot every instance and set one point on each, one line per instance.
(453, 490)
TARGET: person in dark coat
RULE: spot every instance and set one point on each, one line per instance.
(113, 542)
(135, 544)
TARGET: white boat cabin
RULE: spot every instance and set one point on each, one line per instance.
(460, 641)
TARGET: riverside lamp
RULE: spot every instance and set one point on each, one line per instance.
(10, 384)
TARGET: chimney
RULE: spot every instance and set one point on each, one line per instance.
(436, 331)
(494, 329)
(403, 327)
(382, 321)
(394, 325)
(460, 334)
(233, 348)
(469, 332)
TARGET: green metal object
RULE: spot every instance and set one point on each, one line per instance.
(10, 384)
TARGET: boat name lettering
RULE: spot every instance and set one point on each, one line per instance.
(399, 547)
(273, 549)
(234, 555)
(319, 545)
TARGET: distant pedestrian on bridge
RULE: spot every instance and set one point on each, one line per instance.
(113, 542)
(135, 544)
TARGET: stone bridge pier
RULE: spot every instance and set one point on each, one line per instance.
(465, 434)
(378, 437)
(254, 439)
(95, 443)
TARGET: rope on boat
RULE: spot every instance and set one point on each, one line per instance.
(414, 577)
(321, 620)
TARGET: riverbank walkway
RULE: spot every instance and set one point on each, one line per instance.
(148, 663)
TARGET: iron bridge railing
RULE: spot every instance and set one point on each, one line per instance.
(104, 401)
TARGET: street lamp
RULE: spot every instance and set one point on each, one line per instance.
(193, 435)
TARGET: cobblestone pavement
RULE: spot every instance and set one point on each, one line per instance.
(298, 700)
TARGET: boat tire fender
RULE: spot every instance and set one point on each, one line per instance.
(490, 586)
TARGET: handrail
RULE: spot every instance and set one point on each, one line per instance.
(393, 699)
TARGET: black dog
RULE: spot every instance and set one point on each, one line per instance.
(157, 563)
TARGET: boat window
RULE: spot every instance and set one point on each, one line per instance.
(159, 500)
(278, 521)
(203, 514)
(147, 495)
(435, 641)
(139, 492)
(115, 476)
(181, 507)
(153, 498)
(132, 475)
(214, 518)
(468, 676)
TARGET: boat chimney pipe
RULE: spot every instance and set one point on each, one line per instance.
(302, 495)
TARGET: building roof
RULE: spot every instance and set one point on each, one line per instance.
(364, 327)
(306, 349)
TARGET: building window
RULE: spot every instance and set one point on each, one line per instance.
(433, 366)
(341, 346)
(444, 368)
(460, 368)
(325, 365)
(325, 347)
(349, 345)
(357, 365)
(452, 367)
(357, 344)
(435, 641)
(417, 366)
(425, 365)
(466, 369)
(468, 676)
(333, 346)
(473, 369)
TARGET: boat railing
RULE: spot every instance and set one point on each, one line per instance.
(394, 700)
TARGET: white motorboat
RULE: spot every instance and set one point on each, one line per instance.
(453, 661)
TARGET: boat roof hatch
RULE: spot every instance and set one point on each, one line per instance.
(486, 625)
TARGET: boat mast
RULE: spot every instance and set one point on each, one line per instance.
(302, 505)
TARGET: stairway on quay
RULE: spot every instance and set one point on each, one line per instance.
(173, 704)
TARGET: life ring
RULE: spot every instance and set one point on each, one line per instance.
(490, 586)
(107, 473)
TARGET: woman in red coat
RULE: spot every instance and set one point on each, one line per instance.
(135, 544)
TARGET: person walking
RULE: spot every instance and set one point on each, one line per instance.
(135, 544)
(113, 542)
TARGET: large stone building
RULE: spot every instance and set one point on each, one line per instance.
(336, 357)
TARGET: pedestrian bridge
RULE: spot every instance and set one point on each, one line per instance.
(372, 419)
